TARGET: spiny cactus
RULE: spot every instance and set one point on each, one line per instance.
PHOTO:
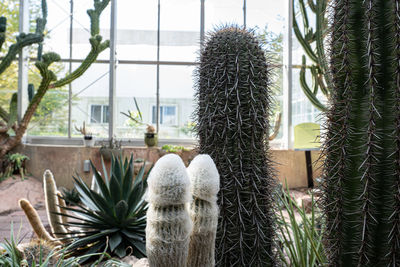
(204, 181)
(312, 41)
(362, 148)
(234, 100)
(53, 206)
(168, 222)
(36, 223)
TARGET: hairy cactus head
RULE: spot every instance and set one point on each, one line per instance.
(168, 182)
(204, 178)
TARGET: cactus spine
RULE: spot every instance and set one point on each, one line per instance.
(53, 206)
(204, 181)
(234, 99)
(168, 222)
(362, 148)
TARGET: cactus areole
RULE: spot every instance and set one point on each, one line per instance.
(362, 148)
(234, 99)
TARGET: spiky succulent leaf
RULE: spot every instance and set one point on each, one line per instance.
(116, 213)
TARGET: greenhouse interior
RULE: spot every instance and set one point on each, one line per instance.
(199, 133)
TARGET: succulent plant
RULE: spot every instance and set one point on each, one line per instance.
(168, 221)
(71, 197)
(362, 147)
(53, 206)
(204, 183)
(234, 99)
(115, 216)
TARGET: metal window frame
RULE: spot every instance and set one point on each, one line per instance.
(113, 61)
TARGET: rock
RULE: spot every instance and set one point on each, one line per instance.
(142, 263)
(135, 262)
(11, 190)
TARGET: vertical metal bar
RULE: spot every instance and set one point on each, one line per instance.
(71, 20)
(244, 13)
(288, 77)
(158, 67)
(23, 60)
(112, 75)
(202, 23)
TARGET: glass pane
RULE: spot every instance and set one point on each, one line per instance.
(135, 82)
(51, 117)
(89, 95)
(59, 26)
(176, 96)
(106, 114)
(95, 114)
(81, 29)
(221, 12)
(9, 78)
(302, 109)
(179, 41)
(268, 14)
(137, 30)
(297, 49)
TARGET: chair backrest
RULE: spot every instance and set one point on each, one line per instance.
(307, 136)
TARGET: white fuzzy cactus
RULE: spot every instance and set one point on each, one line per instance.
(168, 222)
(204, 179)
(53, 206)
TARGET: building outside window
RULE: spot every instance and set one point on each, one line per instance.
(168, 115)
(99, 114)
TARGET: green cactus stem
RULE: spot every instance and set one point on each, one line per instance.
(234, 100)
(312, 42)
(362, 147)
(168, 222)
(204, 183)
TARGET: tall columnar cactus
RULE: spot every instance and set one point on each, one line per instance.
(168, 222)
(362, 148)
(53, 206)
(204, 181)
(36, 223)
(312, 41)
(234, 100)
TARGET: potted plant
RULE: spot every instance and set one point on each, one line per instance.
(150, 136)
(88, 138)
(110, 148)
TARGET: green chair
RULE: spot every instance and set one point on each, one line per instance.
(306, 138)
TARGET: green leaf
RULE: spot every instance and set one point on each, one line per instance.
(115, 240)
(121, 209)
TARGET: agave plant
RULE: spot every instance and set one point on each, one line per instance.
(114, 215)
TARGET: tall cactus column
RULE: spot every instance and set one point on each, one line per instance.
(204, 181)
(168, 222)
(362, 148)
(234, 99)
